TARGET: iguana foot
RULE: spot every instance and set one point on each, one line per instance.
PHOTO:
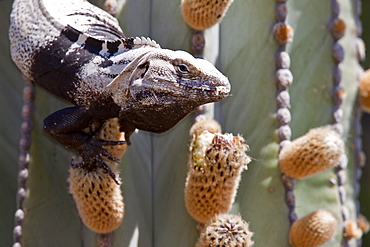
(92, 153)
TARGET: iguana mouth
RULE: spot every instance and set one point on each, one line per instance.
(185, 89)
(206, 89)
(217, 91)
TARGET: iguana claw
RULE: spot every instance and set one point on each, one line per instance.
(92, 153)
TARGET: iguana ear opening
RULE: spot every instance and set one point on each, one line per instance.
(141, 68)
(145, 67)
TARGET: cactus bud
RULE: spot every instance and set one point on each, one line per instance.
(313, 230)
(110, 132)
(283, 33)
(351, 230)
(225, 230)
(364, 91)
(215, 165)
(111, 6)
(320, 149)
(201, 15)
(338, 28)
(363, 223)
(98, 197)
(210, 125)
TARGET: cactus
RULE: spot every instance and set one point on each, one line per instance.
(154, 168)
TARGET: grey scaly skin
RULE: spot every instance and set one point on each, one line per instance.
(78, 52)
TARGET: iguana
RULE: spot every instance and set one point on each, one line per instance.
(78, 52)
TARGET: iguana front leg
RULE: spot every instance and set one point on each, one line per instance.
(66, 126)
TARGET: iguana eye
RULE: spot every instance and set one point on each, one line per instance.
(182, 68)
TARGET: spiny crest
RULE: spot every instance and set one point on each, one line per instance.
(140, 41)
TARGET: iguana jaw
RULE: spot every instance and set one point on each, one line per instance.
(173, 91)
(210, 88)
(169, 92)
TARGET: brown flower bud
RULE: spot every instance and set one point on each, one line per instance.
(210, 125)
(364, 91)
(320, 149)
(352, 230)
(313, 230)
(225, 230)
(110, 132)
(283, 33)
(338, 28)
(215, 165)
(99, 199)
(363, 223)
(201, 15)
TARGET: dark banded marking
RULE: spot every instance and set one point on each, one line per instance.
(97, 44)
(113, 46)
(129, 43)
(71, 33)
(105, 47)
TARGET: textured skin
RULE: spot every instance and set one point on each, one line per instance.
(78, 52)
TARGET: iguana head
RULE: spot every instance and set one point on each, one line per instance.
(167, 76)
(160, 87)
